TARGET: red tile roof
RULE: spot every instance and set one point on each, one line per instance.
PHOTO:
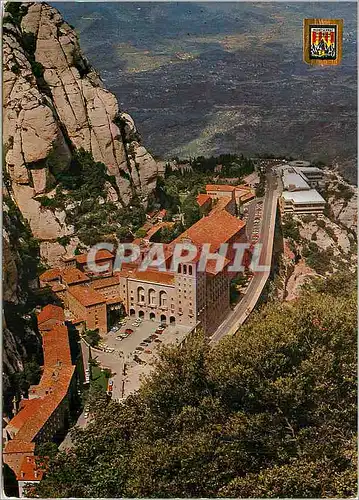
(219, 187)
(19, 446)
(50, 274)
(247, 196)
(86, 295)
(100, 255)
(104, 282)
(203, 198)
(221, 204)
(30, 469)
(56, 346)
(28, 407)
(47, 395)
(73, 275)
(50, 312)
(114, 300)
(154, 276)
(217, 228)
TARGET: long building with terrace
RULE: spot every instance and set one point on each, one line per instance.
(44, 414)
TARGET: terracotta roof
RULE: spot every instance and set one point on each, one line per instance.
(162, 213)
(244, 187)
(30, 470)
(104, 282)
(86, 295)
(47, 395)
(50, 312)
(100, 255)
(220, 187)
(221, 204)
(56, 346)
(50, 274)
(49, 403)
(73, 275)
(19, 446)
(28, 407)
(114, 300)
(247, 196)
(154, 276)
(202, 199)
(217, 228)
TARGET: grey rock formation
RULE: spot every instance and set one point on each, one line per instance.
(19, 337)
(54, 102)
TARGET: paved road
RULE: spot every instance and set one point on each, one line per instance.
(242, 310)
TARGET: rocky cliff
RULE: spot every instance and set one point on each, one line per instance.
(55, 104)
(21, 340)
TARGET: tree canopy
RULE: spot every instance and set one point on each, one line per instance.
(270, 412)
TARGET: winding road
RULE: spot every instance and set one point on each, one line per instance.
(243, 309)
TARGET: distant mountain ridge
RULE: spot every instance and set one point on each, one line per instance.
(242, 90)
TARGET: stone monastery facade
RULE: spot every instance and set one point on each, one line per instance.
(185, 296)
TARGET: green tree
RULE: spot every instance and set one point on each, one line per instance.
(191, 211)
(270, 412)
(92, 337)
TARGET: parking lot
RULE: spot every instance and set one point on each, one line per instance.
(137, 351)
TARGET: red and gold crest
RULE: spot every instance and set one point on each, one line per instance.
(323, 41)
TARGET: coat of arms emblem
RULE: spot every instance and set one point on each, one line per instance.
(322, 41)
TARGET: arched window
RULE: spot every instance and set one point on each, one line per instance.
(132, 312)
(163, 299)
(172, 320)
(184, 269)
(141, 314)
(190, 270)
(152, 316)
(179, 268)
(140, 294)
(163, 318)
(151, 297)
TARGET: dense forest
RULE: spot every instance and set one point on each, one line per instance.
(269, 413)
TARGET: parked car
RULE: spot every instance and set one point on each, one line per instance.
(159, 332)
(162, 327)
(139, 348)
(128, 331)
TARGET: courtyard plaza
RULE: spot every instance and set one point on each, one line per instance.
(124, 353)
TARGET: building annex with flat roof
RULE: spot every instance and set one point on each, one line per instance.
(302, 202)
(299, 180)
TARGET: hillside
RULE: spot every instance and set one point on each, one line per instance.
(208, 78)
(55, 105)
(268, 413)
